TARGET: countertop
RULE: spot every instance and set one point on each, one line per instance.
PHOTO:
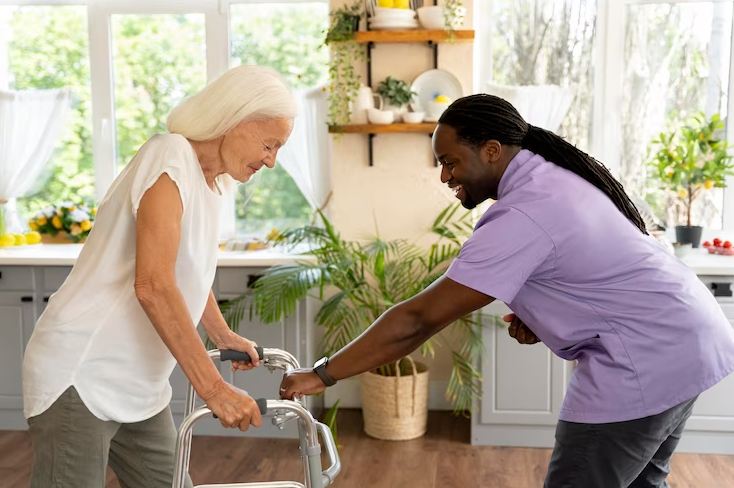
(66, 254)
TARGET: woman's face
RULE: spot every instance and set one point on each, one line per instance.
(252, 145)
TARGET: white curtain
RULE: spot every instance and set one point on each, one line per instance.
(543, 106)
(30, 126)
(306, 155)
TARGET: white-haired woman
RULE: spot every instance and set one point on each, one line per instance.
(96, 370)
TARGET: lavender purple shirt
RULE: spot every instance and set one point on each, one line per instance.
(646, 332)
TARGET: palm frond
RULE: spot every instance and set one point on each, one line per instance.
(463, 384)
(278, 291)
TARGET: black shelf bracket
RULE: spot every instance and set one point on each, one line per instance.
(434, 45)
(370, 139)
(370, 46)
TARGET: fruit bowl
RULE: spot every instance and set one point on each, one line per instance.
(717, 246)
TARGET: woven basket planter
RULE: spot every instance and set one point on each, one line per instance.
(395, 408)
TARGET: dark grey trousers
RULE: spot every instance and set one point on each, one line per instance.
(632, 454)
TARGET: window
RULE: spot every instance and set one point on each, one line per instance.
(549, 42)
(676, 64)
(48, 47)
(286, 37)
(158, 60)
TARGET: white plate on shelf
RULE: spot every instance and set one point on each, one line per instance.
(432, 83)
(393, 25)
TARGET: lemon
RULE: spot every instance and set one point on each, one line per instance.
(443, 99)
(33, 237)
(7, 240)
(20, 240)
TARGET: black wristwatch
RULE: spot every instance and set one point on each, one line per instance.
(320, 369)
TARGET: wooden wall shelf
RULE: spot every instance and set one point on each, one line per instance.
(418, 35)
(423, 128)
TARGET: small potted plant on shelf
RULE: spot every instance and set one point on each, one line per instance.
(397, 94)
(64, 223)
(344, 80)
(689, 162)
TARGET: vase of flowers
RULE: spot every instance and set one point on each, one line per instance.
(64, 223)
(689, 162)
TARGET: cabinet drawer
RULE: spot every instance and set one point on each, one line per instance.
(236, 280)
(16, 278)
(53, 277)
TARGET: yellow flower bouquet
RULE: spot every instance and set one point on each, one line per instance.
(66, 220)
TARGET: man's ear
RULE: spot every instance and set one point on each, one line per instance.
(491, 151)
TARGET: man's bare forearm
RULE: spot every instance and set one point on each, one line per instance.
(397, 333)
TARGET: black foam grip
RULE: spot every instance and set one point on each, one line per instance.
(228, 355)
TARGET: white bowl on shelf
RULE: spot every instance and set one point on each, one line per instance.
(431, 17)
(413, 117)
(380, 117)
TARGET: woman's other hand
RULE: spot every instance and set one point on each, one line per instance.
(233, 407)
(235, 342)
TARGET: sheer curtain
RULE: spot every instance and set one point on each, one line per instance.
(543, 106)
(30, 125)
(306, 155)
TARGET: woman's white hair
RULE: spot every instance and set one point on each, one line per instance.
(240, 94)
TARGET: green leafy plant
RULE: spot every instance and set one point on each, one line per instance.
(356, 282)
(344, 80)
(692, 160)
(396, 92)
(453, 16)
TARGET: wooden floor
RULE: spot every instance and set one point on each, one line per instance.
(442, 458)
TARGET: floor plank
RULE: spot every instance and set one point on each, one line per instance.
(442, 458)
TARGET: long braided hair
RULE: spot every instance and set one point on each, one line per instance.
(480, 118)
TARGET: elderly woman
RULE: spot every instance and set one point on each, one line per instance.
(96, 369)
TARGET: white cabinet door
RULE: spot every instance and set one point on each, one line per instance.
(17, 316)
(522, 391)
(711, 426)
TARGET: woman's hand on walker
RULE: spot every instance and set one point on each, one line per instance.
(233, 407)
(519, 331)
(299, 382)
(236, 342)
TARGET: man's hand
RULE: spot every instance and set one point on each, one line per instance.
(518, 330)
(299, 382)
(233, 407)
(236, 342)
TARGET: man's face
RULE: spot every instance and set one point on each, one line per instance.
(471, 172)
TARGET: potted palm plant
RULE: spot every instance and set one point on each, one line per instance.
(690, 161)
(358, 281)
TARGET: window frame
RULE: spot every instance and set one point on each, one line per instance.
(605, 142)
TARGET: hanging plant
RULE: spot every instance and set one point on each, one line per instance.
(344, 80)
(453, 16)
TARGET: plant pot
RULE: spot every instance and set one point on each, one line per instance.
(354, 19)
(689, 235)
(62, 237)
(395, 408)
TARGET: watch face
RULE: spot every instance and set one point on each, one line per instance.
(320, 362)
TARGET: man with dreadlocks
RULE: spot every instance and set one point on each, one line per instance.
(568, 253)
